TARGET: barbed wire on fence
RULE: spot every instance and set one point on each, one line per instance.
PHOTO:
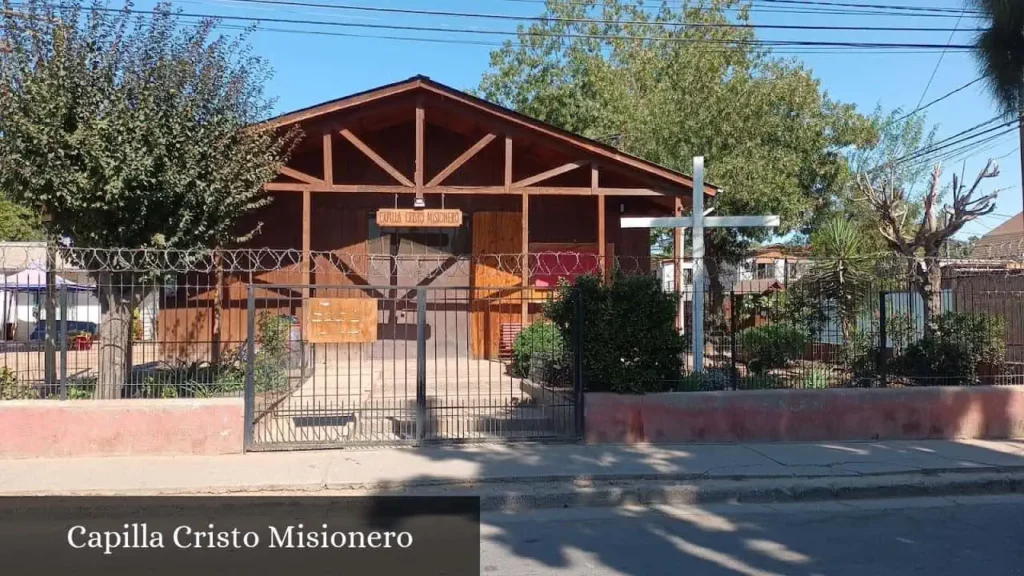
(162, 264)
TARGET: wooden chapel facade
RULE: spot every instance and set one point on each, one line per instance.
(519, 204)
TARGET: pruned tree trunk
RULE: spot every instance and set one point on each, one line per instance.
(117, 302)
(929, 286)
(717, 292)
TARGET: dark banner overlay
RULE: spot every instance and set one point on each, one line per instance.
(196, 536)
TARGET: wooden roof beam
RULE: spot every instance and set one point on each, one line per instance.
(462, 159)
(376, 158)
(547, 175)
(300, 176)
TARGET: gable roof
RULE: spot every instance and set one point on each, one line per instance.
(521, 120)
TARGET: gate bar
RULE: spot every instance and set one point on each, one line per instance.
(421, 363)
(250, 379)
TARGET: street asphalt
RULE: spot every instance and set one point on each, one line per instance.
(977, 536)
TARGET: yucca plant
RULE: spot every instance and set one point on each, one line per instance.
(840, 273)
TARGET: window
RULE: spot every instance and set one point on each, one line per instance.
(765, 270)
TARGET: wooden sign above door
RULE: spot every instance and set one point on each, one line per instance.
(403, 218)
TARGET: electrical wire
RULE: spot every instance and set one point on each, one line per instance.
(941, 57)
(872, 6)
(512, 17)
(673, 39)
(957, 139)
(939, 99)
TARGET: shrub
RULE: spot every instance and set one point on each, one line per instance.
(959, 348)
(772, 346)
(10, 389)
(817, 378)
(760, 382)
(710, 380)
(630, 343)
(539, 338)
(270, 367)
(183, 379)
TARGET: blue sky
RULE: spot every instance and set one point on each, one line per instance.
(310, 69)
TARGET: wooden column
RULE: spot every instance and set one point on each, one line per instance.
(526, 259)
(602, 243)
(420, 128)
(328, 160)
(306, 215)
(677, 263)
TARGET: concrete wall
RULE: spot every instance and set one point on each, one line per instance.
(51, 428)
(807, 415)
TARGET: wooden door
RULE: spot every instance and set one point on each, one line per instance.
(497, 263)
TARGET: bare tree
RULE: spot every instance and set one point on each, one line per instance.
(922, 244)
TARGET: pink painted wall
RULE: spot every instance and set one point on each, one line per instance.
(807, 415)
(47, 429)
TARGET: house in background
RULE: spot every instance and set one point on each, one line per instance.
(1004, 242)
(776, 262)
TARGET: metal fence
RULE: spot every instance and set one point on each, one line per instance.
(406, 364)
(81, 323)
(805, 332)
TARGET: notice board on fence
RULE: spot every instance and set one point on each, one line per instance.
(341, 320)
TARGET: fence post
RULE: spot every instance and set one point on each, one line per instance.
(63, 343)
(732, 337)
(577, 365)
(250, 365)
(421, 363)
(883, 338)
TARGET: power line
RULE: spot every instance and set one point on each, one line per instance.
(764, 43)
(465, 41)
(939, 99)
(861, 5)
(956, 139)
(941, 56)
(936, 145)
(512, 17)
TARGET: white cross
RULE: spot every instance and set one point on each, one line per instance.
(698, 222)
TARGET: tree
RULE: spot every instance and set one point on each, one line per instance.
(131, 133)
(840, 273)
(922, 248)
(667, 92)
(999, 50)
(898, 136)
(18, 223)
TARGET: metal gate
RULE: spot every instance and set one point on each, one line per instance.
(390, 365)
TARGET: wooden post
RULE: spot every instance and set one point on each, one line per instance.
(420, 127)
(306, 201)
(328, 160)
(677, 265)
(525, 259)
(601, 240)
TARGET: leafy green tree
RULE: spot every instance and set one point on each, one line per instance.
(898, 135)
(18, 223)
(667, 91)
(999, 50)
(131, 133)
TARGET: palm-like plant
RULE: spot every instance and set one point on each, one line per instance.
(999, 50)
(840, 274)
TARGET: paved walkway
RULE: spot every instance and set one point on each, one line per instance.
(400, 468)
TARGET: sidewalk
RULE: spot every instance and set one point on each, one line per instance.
(538, 475)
